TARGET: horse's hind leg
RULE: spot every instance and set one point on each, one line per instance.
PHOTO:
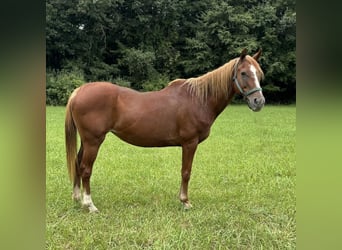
(77, 181)
(90, 150)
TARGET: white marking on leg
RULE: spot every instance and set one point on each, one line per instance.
(76, 195)
(87, 202)
(184, 199)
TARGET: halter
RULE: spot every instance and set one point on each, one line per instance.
(247, 93)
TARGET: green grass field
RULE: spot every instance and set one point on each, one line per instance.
(242, 189)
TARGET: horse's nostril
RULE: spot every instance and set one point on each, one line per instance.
(255, 100)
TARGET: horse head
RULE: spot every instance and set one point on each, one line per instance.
(247, 77)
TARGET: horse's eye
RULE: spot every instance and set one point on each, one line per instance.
(243, 73)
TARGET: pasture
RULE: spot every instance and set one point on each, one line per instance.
(242, 189)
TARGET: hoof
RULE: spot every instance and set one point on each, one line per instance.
(93, 210)
(187, 205)
(76, 197)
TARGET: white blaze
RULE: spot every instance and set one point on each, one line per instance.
(253, 69)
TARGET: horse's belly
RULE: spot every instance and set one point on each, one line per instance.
(153, 137)
(146, 141)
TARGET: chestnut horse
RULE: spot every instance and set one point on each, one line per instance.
(181, 114)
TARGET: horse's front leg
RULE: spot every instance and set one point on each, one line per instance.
(188, 152)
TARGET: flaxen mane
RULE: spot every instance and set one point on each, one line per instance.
(215, 83)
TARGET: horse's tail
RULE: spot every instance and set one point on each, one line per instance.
(70, 140)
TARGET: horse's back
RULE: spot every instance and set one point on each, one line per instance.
(100, 95)
(94, 91)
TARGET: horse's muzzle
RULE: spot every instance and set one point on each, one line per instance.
(256, 103)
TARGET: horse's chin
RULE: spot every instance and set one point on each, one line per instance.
(255, 108)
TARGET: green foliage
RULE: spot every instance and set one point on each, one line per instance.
(139, 65)
(59, 86)
(141, 41)
(156, 82)
(121, 82)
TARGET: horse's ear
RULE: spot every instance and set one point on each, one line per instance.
(243, 54)
(257, 55)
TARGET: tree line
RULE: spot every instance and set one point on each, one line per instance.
(144, 44)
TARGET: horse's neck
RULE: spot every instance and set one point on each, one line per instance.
(217, 105)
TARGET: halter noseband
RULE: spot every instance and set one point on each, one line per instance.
(247, 93)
